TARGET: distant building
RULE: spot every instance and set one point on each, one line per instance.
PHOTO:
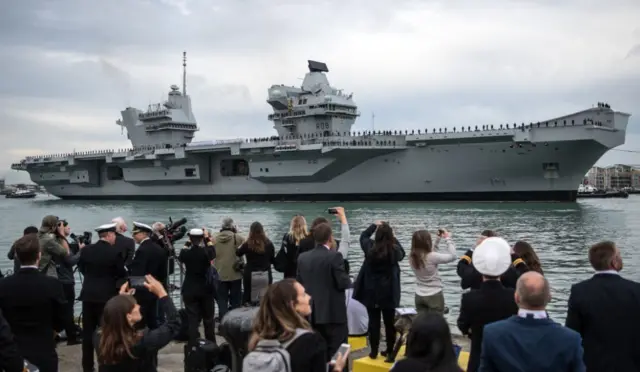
(616, 177)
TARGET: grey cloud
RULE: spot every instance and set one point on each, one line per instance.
(107, 35)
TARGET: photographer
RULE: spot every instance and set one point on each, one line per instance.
(230, 267)
(51, 246)
(197, 256)
(66, 276)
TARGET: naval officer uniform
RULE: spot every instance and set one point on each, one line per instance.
(149, 259)
(102, 266)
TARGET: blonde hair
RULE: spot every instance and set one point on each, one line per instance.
(298, 228)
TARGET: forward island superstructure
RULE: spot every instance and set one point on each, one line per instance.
(316, 156)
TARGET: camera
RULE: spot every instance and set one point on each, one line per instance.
(85, 238)
(332, 211)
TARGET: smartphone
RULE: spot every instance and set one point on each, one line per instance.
(332, 211)
(440, 232)
(136, 282)
(343, 350)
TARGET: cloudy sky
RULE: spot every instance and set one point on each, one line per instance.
(69, 66)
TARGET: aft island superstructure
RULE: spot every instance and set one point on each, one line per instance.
(316, 156)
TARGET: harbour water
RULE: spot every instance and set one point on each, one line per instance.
(560, 232)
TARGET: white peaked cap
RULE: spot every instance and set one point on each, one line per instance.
(141, 227)
(196, 232)
(106, 227)
(492, 257)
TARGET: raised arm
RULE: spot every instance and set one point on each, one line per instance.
(160, 337)
(444, 257)
(365, 237)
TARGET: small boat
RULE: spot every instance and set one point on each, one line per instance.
(603, 194)
(21, 194)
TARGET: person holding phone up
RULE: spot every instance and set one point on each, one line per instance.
(122, 348)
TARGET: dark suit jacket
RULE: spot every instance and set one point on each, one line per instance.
(471, 278)
(10, 359)
(479, 307)
(604, 310)
(526, 344)
(127, 246)
(197, 261)
(34, 306)
(102, 266)
(321, 272)
(150, 259)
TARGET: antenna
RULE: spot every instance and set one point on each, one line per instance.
(373, 121)
(184, 73)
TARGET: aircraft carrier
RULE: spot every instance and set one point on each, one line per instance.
(316, 156)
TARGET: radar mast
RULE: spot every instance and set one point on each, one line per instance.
(184, 73)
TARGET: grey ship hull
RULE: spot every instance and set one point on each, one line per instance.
(489, 171)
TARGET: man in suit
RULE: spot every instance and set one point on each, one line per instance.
(150, 259)
(124, 243)
(530, 341)
(471, 278)
(10, 359)
(102, 266)
(34, 306)
(492, 301)
(321, 271)
(604, 310)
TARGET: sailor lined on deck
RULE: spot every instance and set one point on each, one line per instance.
(471, 278)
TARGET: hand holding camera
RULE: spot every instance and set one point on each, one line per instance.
(443, 233)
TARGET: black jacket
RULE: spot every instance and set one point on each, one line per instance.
(378, 283)
(33, 305)
(490, 303)
(127, 246)
(64, 266)
(145, 351)
(197, 261)
(287, 256)
(604, 310)
(471, 278)
(10, 359)
(321, 271)
(102, 266)
(150, 259)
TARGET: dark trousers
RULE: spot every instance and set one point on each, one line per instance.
(200, 308)
(149, 312)
(45, 363)
(229, 295)
(388, 317)
(334, 335)
(70, 325)
(91, 315)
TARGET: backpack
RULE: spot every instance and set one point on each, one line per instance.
(271, 355)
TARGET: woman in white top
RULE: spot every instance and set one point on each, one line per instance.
(424, 260)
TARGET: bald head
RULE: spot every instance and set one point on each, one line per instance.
(121, 225)
(532, 291)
